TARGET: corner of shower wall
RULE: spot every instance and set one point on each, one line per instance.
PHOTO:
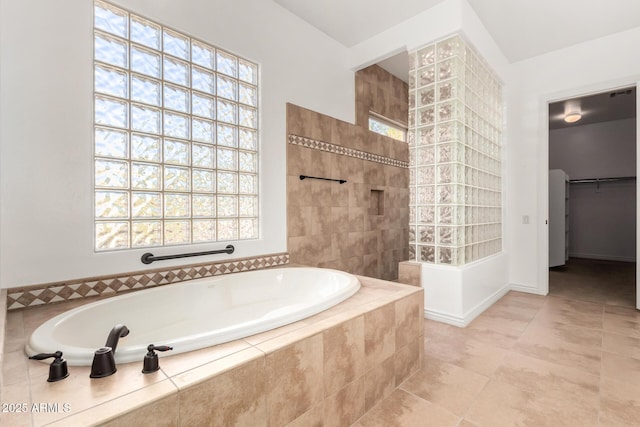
(455, 133)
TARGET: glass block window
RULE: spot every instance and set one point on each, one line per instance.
(387, 128)
(175, 136)
(455, 133)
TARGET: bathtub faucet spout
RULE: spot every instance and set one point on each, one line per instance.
(118, 331)
(104, 363)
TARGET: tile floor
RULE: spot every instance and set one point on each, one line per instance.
(527, 361)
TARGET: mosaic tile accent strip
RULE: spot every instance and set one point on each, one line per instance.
(31, 296)
(345, 151)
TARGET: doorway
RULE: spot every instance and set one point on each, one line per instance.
(592, 197)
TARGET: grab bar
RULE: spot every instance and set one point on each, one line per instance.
(148, 258)
(341, 181)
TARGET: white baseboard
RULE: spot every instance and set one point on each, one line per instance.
(526, 289)
(604, 257)
(444, 318)
(463, 321)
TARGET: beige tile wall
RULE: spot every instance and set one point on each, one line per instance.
(381, 92)
(335, 225)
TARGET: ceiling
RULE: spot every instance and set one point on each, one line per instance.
(602, 107)
(522, 29)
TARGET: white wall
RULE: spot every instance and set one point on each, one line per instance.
(46, 122)
(585, 68)
(602, 219)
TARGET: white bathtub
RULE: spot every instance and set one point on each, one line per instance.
(193, 314)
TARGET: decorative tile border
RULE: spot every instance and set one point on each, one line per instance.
(345, 151)
(31, 296)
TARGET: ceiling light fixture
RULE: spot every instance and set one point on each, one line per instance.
(572, 112)
(572, 117)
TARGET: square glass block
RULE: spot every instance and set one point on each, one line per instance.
(203, 181)
(227, 88)
(146, 233)
(227, 112)
(112, 204)
(176, 205)
(445, 255)
(450, 89)
(111, 143)
(227, 64)
(202, 156)
(202, 130)
(412, 233)
(412, 253)
(148, 91)
(227, 159)
(248, 228)
(177, 232)
(426, 56)
(203, 106)
(176, 178)
(227, 206)
(247, 72)
(450, 47)
(110, 19)
(227, 229)
(227, 135)
(111, 173)
(203, 80)
(176, 71)
(412, 176)
(426, 135)
(427, 234)
(176, 98)
(145, 147)
(146, 205)
(446, 214)
(426, 214)
(248, 116)
(426, 95)
(145, 176)
(427, 253)
(145, 32)
(426, 195)
(202, 54)
(110, 50)
(175, 44)
(111, 235)
(204, 230)
(248, 184)
(145, 61)
(425, 155)
(176, 152)
(248, 95)
(248, 162)
(426, 116)
(227, 182)
(111, 112)
(111, 81)
(445, 173)
(412, 81)
(426, 76)
(412, 100)
(145, 119)
(203, 206)
(426, 175)
(176, 125)
(248, 139)
(248, 206)
(450, 131)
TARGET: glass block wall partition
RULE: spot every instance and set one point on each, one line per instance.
(455, 131)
